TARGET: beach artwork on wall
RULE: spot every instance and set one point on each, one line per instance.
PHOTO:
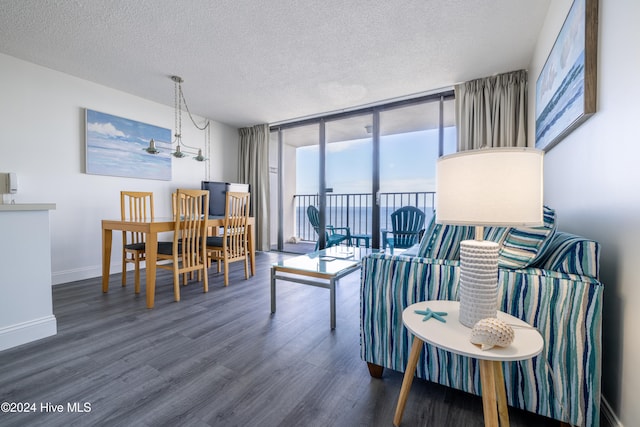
(116, 146)
(566, 87)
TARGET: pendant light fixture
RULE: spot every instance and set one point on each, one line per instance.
(151, 149)
(180, 151)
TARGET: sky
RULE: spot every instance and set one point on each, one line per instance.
(407, 163)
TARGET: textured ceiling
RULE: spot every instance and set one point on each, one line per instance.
(246, 62)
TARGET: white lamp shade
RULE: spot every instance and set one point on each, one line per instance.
(490, 187)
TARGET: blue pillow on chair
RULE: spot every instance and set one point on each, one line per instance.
(522, 247)
(519, 247)
(571, 254)
(442, 241)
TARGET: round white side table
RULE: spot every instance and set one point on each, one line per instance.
(453, 336)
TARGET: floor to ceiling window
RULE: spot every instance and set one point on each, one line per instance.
(357, 167)
(348, 173)
(411, 140)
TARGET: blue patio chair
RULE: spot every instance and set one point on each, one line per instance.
(331, 237)
(407, 225)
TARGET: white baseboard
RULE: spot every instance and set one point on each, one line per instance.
(609, 415)
(22, 333)
(68, 276)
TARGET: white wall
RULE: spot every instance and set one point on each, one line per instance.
(592, 178)
(42, 139)
(289, 189)
(289, 203)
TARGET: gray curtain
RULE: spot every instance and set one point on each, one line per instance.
(253, 169)
(492, 112)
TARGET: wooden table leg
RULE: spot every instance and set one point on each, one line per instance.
(503, 411)
(106, 258)
(416, 349)
(151, 257)
(488, 383)
(252, 249)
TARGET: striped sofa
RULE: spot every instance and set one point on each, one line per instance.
(558, 292)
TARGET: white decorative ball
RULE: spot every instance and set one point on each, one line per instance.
(491, 332)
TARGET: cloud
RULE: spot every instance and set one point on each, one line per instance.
(106, 129)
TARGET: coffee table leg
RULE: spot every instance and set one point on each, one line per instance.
(273, 290)
(488, 382)
(332, 298)
(416, 349)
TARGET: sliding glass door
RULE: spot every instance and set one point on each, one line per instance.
(296, 152)
(356, 168)
(348, 166)
(412, 137)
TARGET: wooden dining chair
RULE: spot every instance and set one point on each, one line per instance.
(175, 202)
(175, 209)
(232, 245)
(134, 206)
(188, 249)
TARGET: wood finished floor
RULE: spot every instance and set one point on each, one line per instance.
(217, 359)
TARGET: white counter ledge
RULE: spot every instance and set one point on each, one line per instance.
(27, 207)
(26, 306)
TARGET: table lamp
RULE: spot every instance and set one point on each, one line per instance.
(497, 187)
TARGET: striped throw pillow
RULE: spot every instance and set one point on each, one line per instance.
(522, 247)
(572, 254)
(443, 241)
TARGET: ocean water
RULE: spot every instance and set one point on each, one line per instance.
(564, 107)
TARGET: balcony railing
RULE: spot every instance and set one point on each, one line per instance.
(355, 210)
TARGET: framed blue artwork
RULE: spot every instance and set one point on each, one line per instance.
(566, 86)
(116, 146)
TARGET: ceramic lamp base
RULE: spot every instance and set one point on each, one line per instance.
(478, 281)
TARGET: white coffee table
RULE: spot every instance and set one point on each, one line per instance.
(454, 337)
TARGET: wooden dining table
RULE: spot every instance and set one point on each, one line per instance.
(151, 228)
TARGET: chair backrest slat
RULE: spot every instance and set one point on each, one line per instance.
(191, 210)
(235, 223)
(135, 206)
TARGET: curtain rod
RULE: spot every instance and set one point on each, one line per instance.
(388, 103)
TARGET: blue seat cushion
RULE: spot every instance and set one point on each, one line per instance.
(165, 248)
(214, 241)
(135, 246)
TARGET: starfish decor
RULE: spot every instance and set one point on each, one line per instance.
(428, 314)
